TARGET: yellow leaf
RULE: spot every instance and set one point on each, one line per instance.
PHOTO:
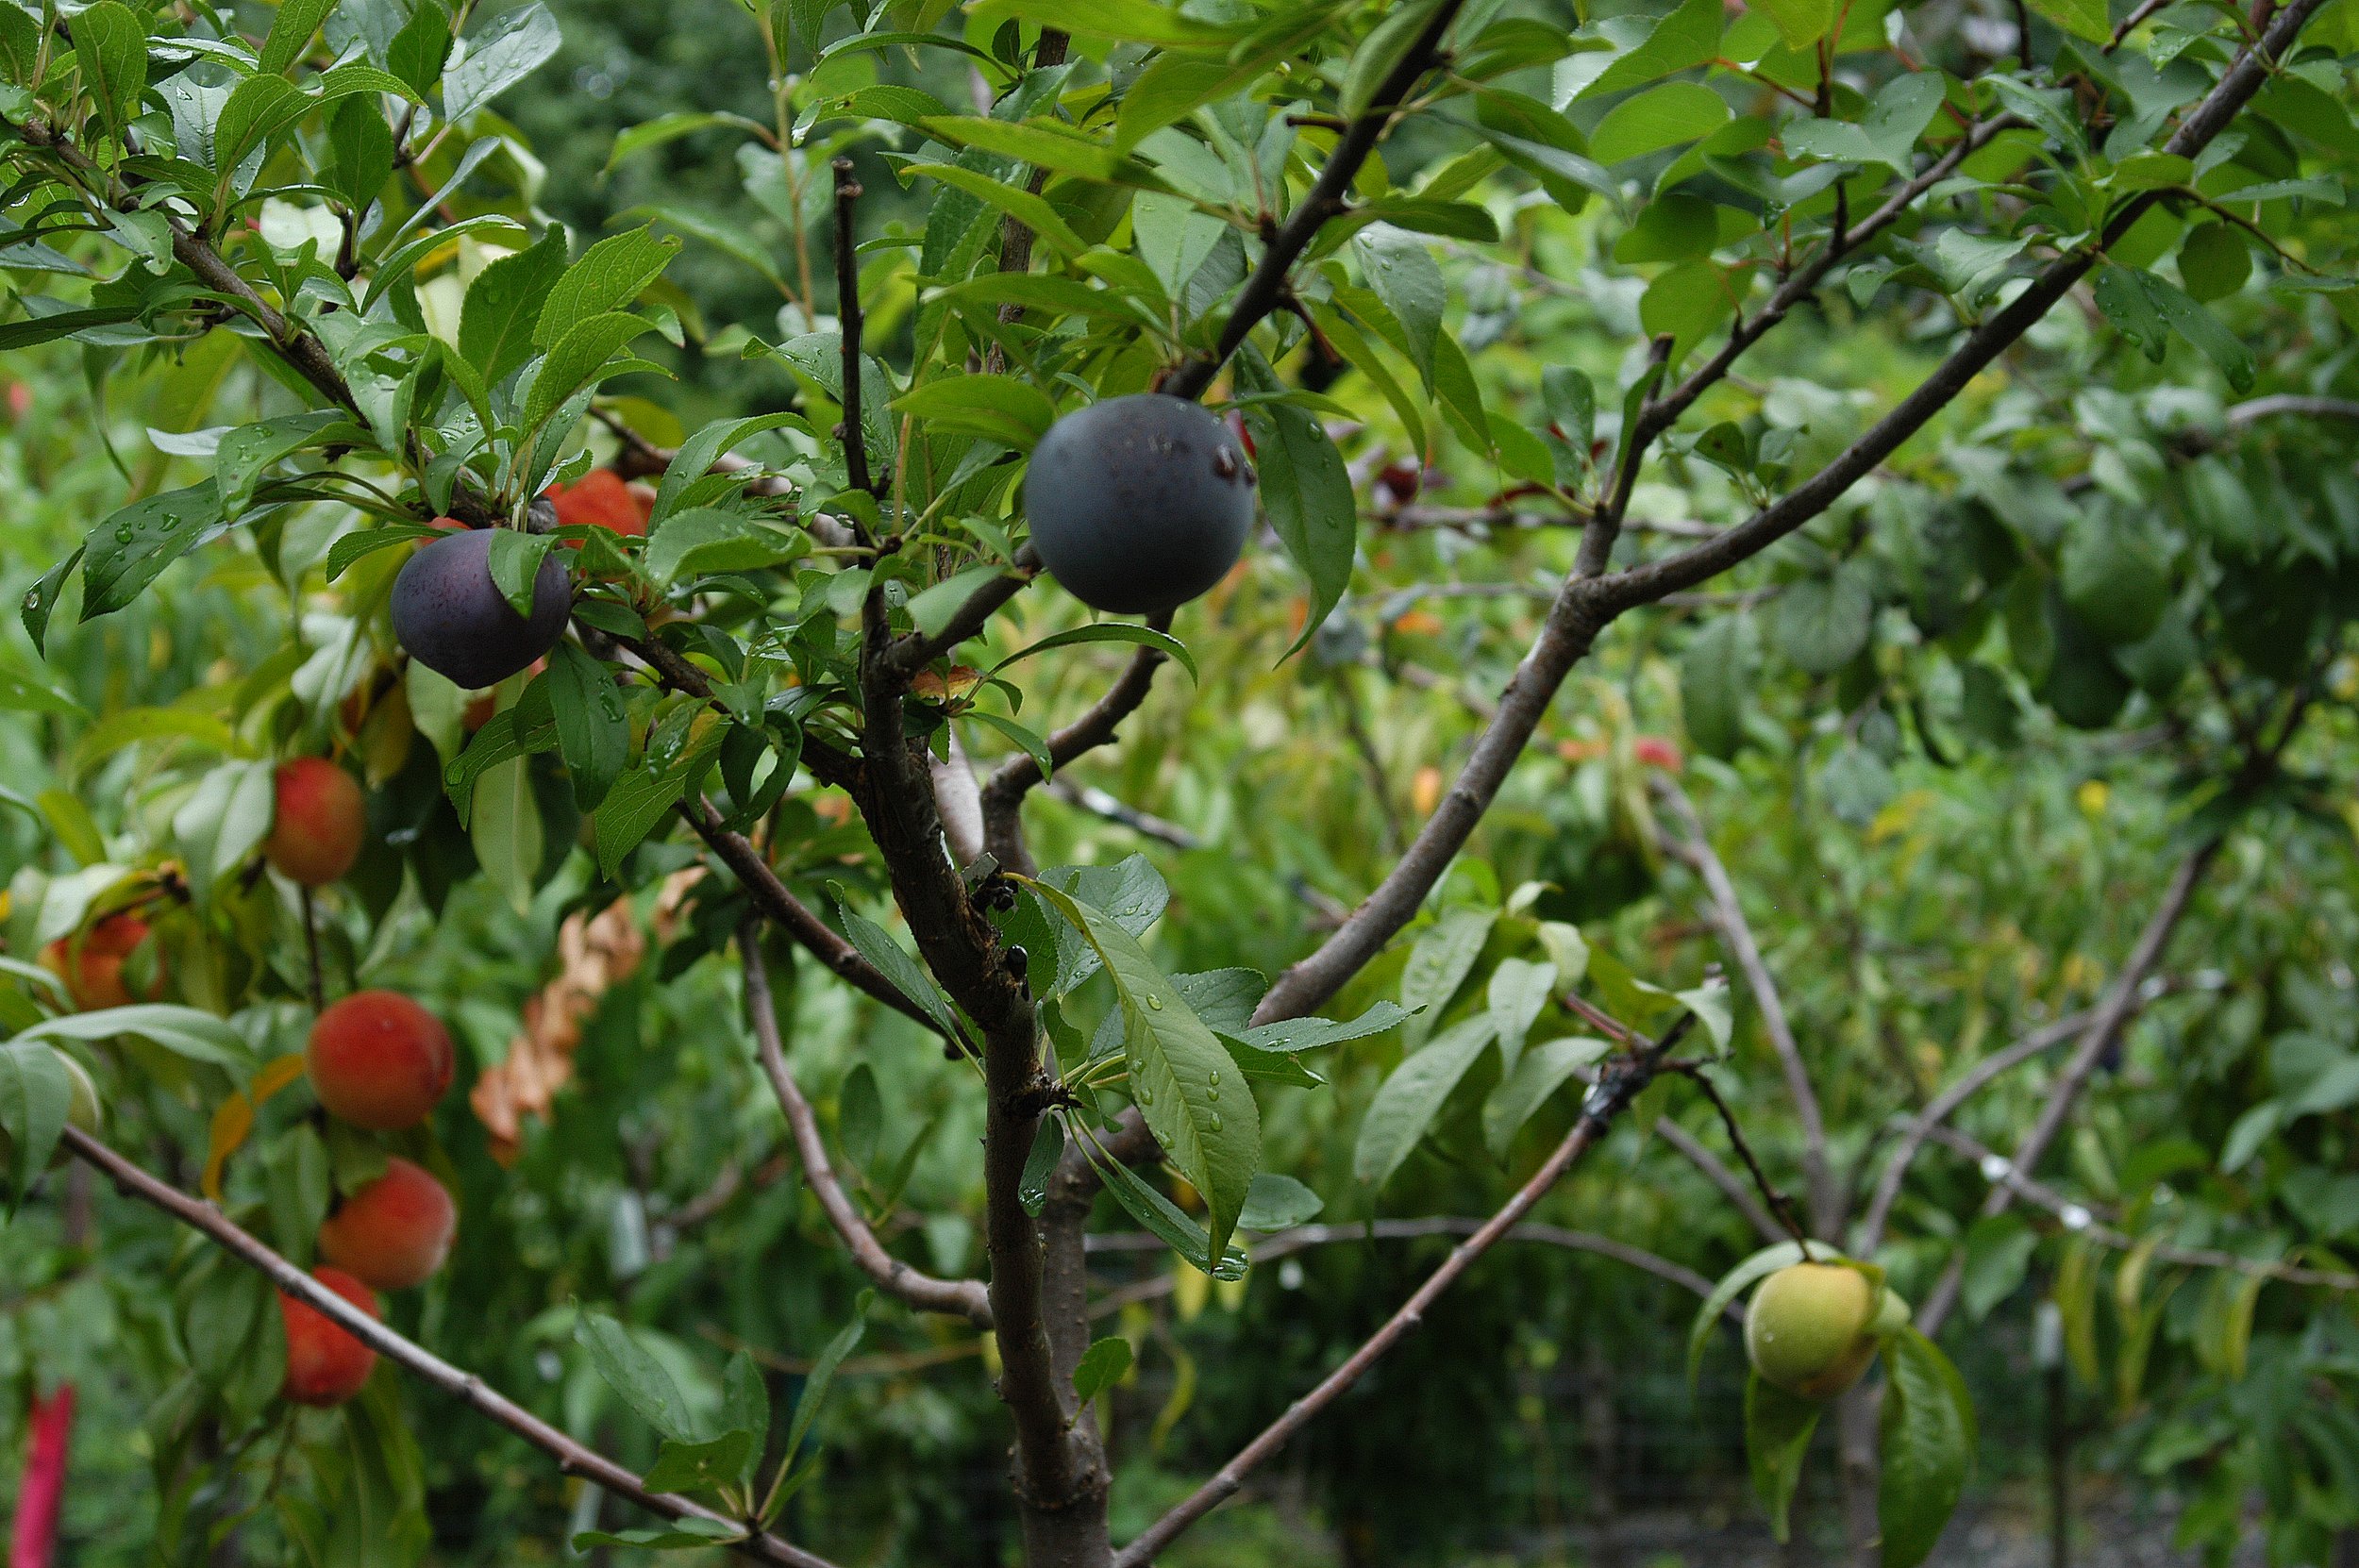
(233, 1120)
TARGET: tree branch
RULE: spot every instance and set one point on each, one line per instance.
(1727, 912)
(796, 918)
(2105, 1024)
(571, 1456)
(964, 1298)
(1302, 1237)
(1585, 606)
(848, 194)
(1265, 287)
(1871, 1234)
(1004, 792)
(1622, 1079)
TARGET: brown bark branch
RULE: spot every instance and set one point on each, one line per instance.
(1585, 606)
(573, 1458)
(962, 1298)
(1621, 1081)
(794, 917)
(2105, 1024)
(1871, 1234)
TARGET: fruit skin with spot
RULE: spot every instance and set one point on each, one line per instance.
(1139, 504)
(1811, 1329)
(321, 820)
(92, 971)
(325, 1364)
(394, 1232)
(456, 621)
(379, 1061)
(83, 1109)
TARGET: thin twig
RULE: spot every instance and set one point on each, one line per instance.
(964, 1298)
(312, 950)
(1003, 794)
(573, 1458)
(1727, 912)
(1777, 1202)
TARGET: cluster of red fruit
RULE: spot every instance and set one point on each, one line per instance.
(379, 1061)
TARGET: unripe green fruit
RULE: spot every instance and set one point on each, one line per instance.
(83, 1109)
(1810, 1329)
(1139, 504)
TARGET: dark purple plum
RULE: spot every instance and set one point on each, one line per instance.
(1139, 504)
(456, 621)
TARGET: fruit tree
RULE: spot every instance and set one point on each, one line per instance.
(1625, 631)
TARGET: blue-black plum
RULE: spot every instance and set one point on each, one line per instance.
(1139, 504)
(454, 620)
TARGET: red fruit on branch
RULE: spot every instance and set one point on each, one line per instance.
(321, 821)
(325, 1364)
(394, 1232)
(379, 1061)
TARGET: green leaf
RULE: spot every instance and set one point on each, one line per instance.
(1778, 1427)
(649, 134)
(1124, 21)
(1101, 1366)
(130, 549)
(504, 826)
(1668, 115)
(2145, 308)
(632, 1372)
(704, 539)
(183, 1032)
(1278, 1203)
(515, 566)
(2087, 19)
(259, 109)
(1164, 1219)
(1186, 1087)
(1716, 684)
(1405, 277)
(1689, 37)
(497, 326)
(815, 1396)
(1409, 1099)
(1444, 956)
(418, 51)
(35, 1096)
(1927, 1431)
(577, 358)
(701, 451)
(1032, 210)
(110, 41)
(700, 1466)
(1538, 1074)
(610, 274)
(21, 694)
(1518, 994)
(514, 44)
(641, 796)
(996, 408)
(1044, 143)
(1820, 624)
(1311, 1034)
(1762, 1264)
(1306, 492)
(247, 451)
(224, 821)
(291, 32)
(908, 976)
(367, 541)
(1888, 132)
(1107, 631)
(1387, 45)
(593, 731)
